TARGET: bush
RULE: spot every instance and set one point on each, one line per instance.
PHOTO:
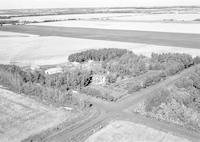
(134, 88)
(151, 80)
(184, 83)
(156, 99)
(111, 78)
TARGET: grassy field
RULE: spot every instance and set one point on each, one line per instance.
(124, 131)
(22, 117)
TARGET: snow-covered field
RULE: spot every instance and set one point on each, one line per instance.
(140, 26)
(124, 131)
(31, 50)
(21, 117)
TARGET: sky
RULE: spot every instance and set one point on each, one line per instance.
(18, 4)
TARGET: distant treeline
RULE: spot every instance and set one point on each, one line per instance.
(13, 22)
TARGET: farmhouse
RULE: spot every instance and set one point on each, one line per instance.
(54, 70)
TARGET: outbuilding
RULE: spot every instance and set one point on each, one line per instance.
(54, 70)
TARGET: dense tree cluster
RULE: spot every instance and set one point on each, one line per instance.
(179, 103)
(171, 63)
(127, 65)
(133, 65)
(70, 80)
(144, 81)
(97, 55)
(55, 89)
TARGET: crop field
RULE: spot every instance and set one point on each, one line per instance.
(125, 131)
(138, 26)
(22, 117)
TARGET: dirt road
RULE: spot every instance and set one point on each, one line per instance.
(156, 38)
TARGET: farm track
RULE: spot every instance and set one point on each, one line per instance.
(156, 38)
(120, 110)
(73, 128)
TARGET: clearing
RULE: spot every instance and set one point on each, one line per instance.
(22, 117)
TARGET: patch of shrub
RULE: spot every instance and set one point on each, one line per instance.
(156, 99)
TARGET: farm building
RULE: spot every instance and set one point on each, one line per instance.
(99, 79)
(54, 70)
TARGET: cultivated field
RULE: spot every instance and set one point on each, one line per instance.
(139, 26)
(27, 49)
(22, 117)
(124, 131)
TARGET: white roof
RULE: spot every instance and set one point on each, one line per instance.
(53, 70)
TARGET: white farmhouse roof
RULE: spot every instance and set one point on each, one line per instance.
(54, 70)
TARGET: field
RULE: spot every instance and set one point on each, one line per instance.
(26, 49)
(146, 37)
(138, 26)
(22, 117)
(126, 131)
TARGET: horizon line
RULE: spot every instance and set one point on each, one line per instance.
(93, 7)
